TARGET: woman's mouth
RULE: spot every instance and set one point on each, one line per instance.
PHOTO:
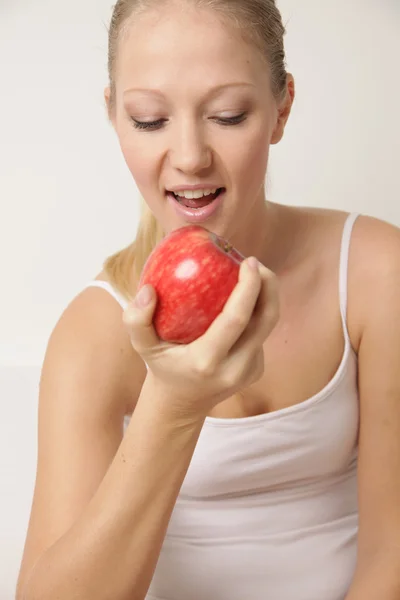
(196, 210)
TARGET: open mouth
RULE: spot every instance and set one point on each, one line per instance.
(196, 203)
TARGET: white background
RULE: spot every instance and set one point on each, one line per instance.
(67, 199)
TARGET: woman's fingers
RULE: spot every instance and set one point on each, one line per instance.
(226, 329)
(138, 320)
(266, 313)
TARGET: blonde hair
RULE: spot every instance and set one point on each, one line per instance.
(260, 21)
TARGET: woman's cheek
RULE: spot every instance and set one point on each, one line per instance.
(139, 161)
(251, 163)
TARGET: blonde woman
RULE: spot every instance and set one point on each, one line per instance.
(260, 462)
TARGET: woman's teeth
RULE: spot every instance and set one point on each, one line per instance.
(197, 199)
(190, 194)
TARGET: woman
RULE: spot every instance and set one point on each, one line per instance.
(261, 461)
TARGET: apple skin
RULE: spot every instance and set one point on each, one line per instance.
(193, 272)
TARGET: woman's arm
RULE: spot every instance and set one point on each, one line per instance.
(102, 501)
(377, 304)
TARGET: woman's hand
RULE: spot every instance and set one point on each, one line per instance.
(228, 357)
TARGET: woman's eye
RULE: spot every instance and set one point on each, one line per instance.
(143, 125)
(153, 125)
(232, 120)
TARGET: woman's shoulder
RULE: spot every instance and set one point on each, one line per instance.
(369, 234)
(371, 254)
(92, 322)
(333, 216)
(374, 243)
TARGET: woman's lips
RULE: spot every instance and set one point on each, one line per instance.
(196, 215)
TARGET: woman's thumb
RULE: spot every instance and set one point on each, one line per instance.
(138, 318)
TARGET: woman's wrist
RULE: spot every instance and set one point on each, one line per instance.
(163, 400)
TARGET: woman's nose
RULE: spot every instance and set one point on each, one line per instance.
(189, 151)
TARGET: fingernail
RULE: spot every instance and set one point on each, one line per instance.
(143, 297)
(253, 263)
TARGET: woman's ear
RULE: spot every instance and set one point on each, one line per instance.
(284, 111)
(107, 98)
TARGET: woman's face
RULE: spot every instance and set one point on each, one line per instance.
(205, 97)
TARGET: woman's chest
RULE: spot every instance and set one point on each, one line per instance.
(301, 355)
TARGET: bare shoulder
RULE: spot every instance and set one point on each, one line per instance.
(369, 231)
(374, 258)
(376, 267)
(96, 313)
(374, 242)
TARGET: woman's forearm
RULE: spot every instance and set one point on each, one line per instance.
(113, 548)
(380, 580)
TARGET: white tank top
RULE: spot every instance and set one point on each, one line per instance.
(268, 508)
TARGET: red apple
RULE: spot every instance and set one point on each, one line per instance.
(193, 272)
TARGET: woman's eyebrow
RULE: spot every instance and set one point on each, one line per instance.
(209, 94)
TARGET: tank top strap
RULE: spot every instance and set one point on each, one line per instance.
(344, 266)
(105, 285)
